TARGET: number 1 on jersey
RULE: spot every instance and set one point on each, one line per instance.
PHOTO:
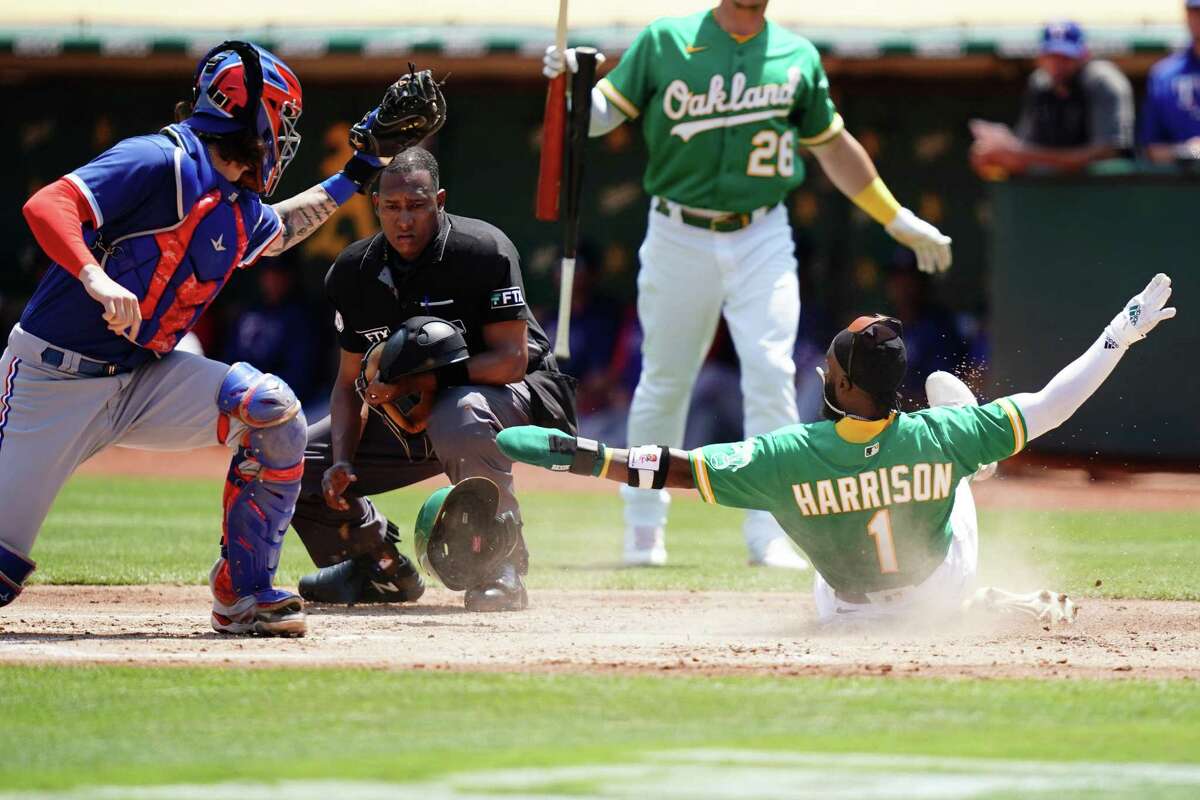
(880, 529)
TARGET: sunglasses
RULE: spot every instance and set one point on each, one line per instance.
(874, 330)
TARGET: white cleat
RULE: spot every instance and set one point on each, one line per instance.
(1044, 606)
(944, 389)
(645, 546)
(779, 553)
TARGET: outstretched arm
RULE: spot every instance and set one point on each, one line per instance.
(851, 170)
(412, 109)
(561, 452)
(1052, 406)
(303, 214)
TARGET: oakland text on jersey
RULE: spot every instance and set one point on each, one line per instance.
(879, 488)
(679, 102)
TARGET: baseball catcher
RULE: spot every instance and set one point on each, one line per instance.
(880, 500)
(141, 240)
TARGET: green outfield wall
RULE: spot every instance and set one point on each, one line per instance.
(1065, 253)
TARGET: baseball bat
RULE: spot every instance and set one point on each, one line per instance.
(577, 136)
(554, 121)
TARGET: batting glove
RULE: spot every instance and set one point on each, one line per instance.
(1141, 314)
(931, 245)
(555, 61)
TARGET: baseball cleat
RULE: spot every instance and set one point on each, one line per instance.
(645, 546)
(505, 593)
(1044, 606)
(272, 612)
(944, 389)
(360, 580)
(779, 553)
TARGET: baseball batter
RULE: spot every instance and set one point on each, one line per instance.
(879, 500)
(142, 239)
(727, 98)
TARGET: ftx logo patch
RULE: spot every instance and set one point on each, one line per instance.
(512, 297)
(375, 335)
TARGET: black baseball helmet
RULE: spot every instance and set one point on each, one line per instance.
(419, 345)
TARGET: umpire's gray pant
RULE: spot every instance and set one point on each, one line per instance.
(460, 441)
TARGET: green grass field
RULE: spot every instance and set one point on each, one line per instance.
(122, 531)
(459, 735)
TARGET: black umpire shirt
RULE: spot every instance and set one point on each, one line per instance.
(470, 275)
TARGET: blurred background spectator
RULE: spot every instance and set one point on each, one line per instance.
(1076, 110)
(277, 333)
(1171, 115)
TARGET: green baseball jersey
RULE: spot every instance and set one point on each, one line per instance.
(723, 116)
(868, 503)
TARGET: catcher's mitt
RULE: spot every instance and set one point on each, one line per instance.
(412, 109)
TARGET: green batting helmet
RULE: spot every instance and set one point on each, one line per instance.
(459, 537)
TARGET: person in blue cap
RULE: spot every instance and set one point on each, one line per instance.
(1171, 116)
(1076, 110)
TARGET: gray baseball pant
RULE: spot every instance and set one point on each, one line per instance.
(52, 419)
(460, 441)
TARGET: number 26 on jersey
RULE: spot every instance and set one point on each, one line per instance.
(774, 154)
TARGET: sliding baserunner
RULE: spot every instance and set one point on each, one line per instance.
(878, 499)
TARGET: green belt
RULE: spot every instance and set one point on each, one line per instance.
(726, 223)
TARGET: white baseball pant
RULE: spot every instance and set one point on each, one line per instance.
(689, 278)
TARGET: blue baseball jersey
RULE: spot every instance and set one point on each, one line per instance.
(1172, 111)
(169, 228)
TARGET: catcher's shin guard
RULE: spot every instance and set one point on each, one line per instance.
(14, 569)
(263, 417)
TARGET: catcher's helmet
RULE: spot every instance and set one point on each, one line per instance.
(460, 538)
(421, 344)
(241, 86)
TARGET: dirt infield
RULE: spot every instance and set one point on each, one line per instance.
(689, 633)
(627, 631)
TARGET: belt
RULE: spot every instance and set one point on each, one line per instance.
(84, 366)
(721, 223)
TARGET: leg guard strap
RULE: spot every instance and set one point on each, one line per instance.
(14, 570)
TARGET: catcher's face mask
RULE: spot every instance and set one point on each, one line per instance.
(459, 538)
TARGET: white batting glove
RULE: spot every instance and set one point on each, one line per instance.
(1142, 313)
(931, 245)
(555, 61)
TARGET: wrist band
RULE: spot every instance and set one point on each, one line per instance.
(648, 465)
(455, 374)
(339, 187)
(361, 172)
(588, 453)
(878, 202)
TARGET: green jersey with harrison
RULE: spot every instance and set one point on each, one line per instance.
(723, 116)
(868, 503)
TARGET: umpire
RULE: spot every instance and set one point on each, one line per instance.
(425, 262)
